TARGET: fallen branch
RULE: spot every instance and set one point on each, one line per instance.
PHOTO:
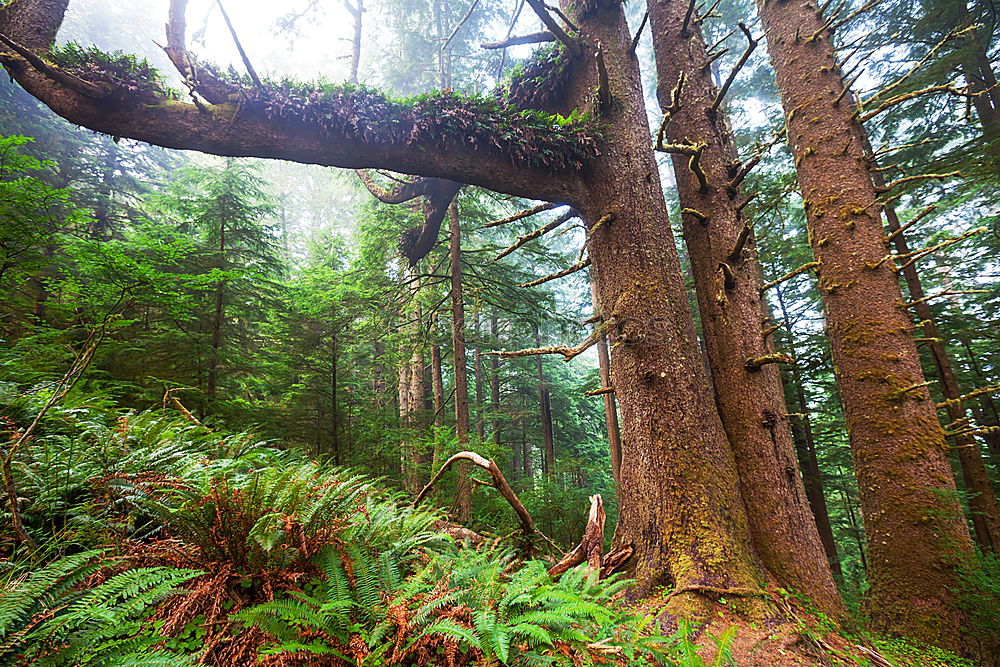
(499, 483)
(168, 397)
(561, 274)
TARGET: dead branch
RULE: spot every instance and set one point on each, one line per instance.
(530, 236)
(565, 19)
(520, 215)
(604, 98)
(239, 47)
(928, 297)
(499, 483)
(788, 276)
(712, 56)
(696, 214)
(983, 391)
(917, 218)
(571, 44)
(672, 108)
(837, 25)
(61, 388)
(567, 352)
(751, 45)
(755, 160)
(899, 99)
(168, 397)
(560, 274)
(530, 38)
(930, 54)
(701, 18)
(764, 360)
(638, 32)
(917, 255)
(599, 392)
(468, 15)
(918, 177)
(741, 241)
(687, 20)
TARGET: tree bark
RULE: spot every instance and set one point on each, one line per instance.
(217, 318)
(463, 496)
(477, 363)
(728, 281)
(805, 447)
(495, 384)
(916, 532)
(545, 415)
(985, 512)
(610, 406)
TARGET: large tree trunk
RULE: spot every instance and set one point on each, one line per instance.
(463, 496)
(679, 499)
(916, 532)
(728, 281)
(983, 506)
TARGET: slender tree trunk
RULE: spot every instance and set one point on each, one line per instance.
(728, 280)
(983, 506)
(527, 460)
(978, 72)
(987, 414)
(217, 320)
(545, 415)
(437, 388)
(477, 363)
(357, 12)
(411, 393)
(463, 504)
(610, 406)
(334, 412)
(917, 534)
(805, 446)
(495, 383)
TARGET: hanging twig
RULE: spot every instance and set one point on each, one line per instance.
(561, 274)
(751, 45)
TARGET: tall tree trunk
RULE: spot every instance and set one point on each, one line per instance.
(982, 501)
(545, 415)
(610, 406)
(477, 363)
(728, 281)
(437, 388)
(978, 72)
(217, 320)
(679, 500)
(805, 447)
(917, 534)
(463, 496)
(411, 391)
(334, 411)
(495, 383)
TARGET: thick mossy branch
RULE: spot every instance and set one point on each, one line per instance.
(567, 352)
(983, 391)
(538, 83)
(442, 119)
(530, 236)
(788, 276)
(520, 215)
(579, 266)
